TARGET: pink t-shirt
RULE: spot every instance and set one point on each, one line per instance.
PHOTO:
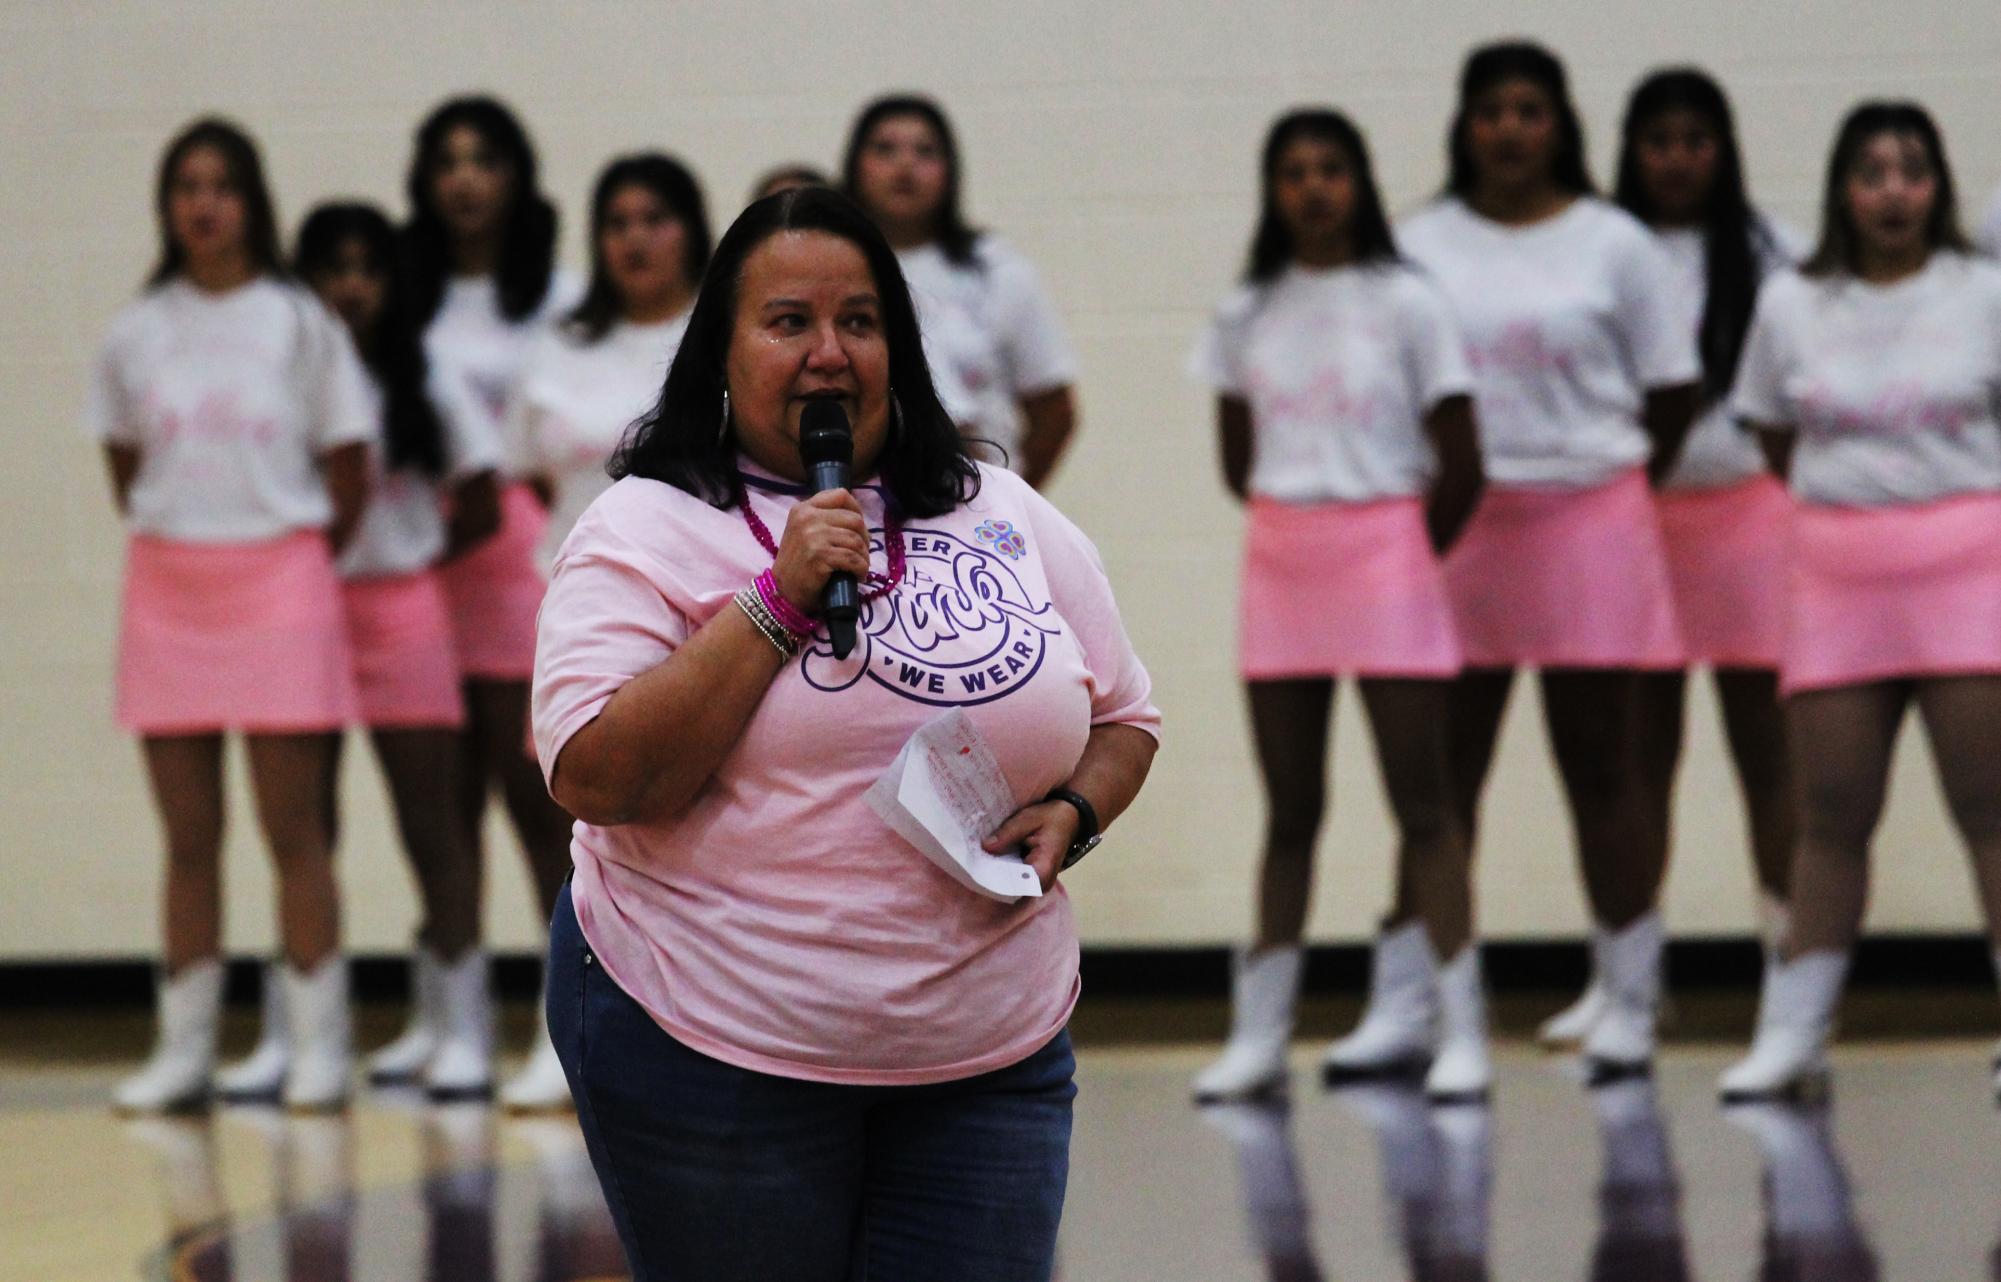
(778, 924)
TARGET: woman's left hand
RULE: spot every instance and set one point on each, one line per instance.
(1044, 831)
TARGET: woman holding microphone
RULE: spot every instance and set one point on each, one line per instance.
(795, 1042)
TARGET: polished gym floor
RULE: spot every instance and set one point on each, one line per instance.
(1899, 1177)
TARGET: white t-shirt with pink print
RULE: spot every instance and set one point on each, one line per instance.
(1339, 369)
(1569, 323)
(230, 400)
(1892, 389)
(778, 924)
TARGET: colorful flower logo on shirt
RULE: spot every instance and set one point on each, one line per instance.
(1006, 539)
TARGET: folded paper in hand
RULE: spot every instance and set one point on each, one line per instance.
(945, 794)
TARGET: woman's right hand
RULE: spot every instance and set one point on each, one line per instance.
(825, 535)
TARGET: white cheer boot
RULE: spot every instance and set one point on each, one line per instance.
(1796, 1010)
(1621, 1041)
(321, 1033)
(402, 1061)
(176, 1076)
(1461, 1073)
(1567, 1029)
(1397, 1034)
(461, 1065)
(260, 1075)
(1264, 991)
(541, 1086)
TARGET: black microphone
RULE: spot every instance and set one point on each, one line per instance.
(827, 447)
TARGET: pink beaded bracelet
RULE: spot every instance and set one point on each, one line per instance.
(787, 614)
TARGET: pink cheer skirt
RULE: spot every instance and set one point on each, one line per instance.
(400, 630)
(1880, 593)
(1726, 553)
(495, 590)
(233, 636)
(1564, 579)
(1342, 589)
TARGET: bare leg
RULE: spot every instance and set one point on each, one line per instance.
(186, 776)
(498, 719)
(1479, 700)
(1663, 721)
(1289, 721)
(1844, 738)
(1594, 718)
(291, 775)
(423, 768)
(1754, 724)
(1434, 870)
(1962, 716)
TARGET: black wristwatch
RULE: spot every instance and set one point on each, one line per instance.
(1088, 835)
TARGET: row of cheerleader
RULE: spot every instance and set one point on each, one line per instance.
(1508, 432)
(1608, 439)
(344, 471)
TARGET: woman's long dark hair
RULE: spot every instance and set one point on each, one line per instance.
(924, 463)
(528, 236)
(394, 352)
(1495, 64)
(950, 230)
(1369, 227)
(246, 175)
(1840, 251)
(1735, 238)
(670, 181)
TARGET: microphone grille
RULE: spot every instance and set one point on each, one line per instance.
(824, 434)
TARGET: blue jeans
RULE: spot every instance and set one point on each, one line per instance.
(716, 1173)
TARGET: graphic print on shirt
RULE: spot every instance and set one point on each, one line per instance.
(960, 629)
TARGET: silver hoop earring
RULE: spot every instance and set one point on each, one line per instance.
(895, 417)
(723, 428)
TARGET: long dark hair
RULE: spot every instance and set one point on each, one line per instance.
(528, 238)
(950, 230)
(394, 352)
(1494, 64)
(669, 180)
(1271, 246)
(1840, 251)
(924, 464)
(1735, 238)
(246, 175)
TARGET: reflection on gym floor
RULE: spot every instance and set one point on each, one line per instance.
(1436, 1169)
(1638, 1181)
(468, 1220)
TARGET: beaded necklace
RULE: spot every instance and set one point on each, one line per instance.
(877, 585)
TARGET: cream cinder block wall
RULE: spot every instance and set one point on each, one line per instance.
(1114, 142)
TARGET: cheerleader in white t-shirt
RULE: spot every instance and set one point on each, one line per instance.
(234, 418)
(480, 246)
(435, 455)
(1875, 375)
(1723, 514)
(1586, 380)
(1346, 422)
(588, 377)
(988, 323)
